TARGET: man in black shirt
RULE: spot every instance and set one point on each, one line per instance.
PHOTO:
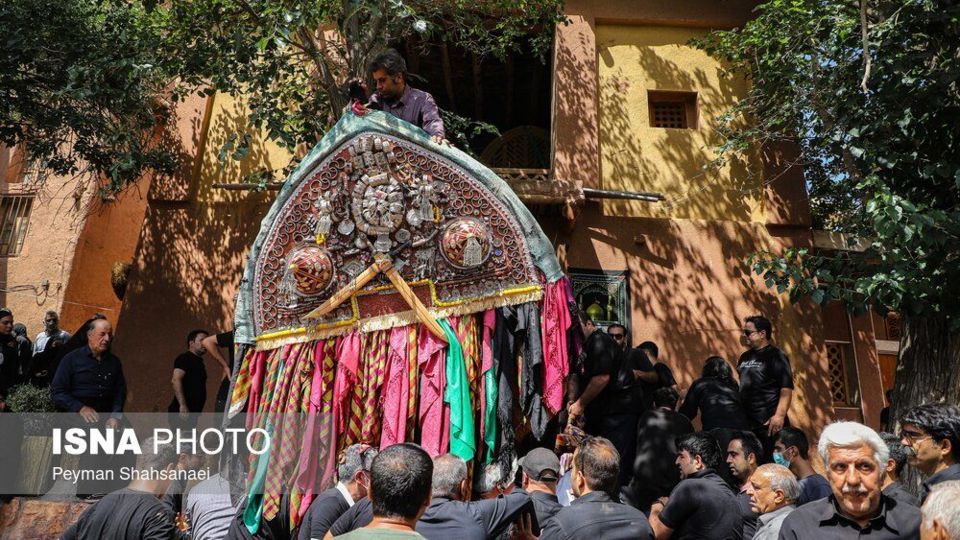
(702, 505)
(90, 382)
(595, 513)
(854, 456)
(606, 405)
(655, 473)
(895, 463)
(743, 457)
(189, 383)
(931, 434)
(766, 382)
(213, 344)
(136, 511)
(541, 470)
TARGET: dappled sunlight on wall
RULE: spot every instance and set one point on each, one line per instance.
(638, 157)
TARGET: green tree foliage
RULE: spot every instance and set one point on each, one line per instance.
(79, 87)
(85, 83)
(870, 93)
(290, 59)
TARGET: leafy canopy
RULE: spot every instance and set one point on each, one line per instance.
(870, 94)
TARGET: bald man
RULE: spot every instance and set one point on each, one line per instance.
(773, 494)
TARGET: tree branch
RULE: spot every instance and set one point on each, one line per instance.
(864, 31)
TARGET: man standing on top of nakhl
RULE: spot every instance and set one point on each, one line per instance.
(395, 96)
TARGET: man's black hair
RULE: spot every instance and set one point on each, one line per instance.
(617, 325)
(703, 445)
(940, 421)
(665, 397)
(651, 348)
(390, 61)
(193, 335)
(750, 443)
(400, 481)
(898, 452)
(599, 462)
(791, 436)
(762, 324)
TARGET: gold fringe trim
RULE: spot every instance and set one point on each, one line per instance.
(511, 297)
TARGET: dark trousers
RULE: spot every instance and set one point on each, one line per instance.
(768, 440)
(621, 430)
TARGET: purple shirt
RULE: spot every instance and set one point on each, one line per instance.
(414, 106)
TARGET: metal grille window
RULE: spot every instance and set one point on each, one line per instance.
(34, 173)
(844, 384)
(15, 216)
(672, 109)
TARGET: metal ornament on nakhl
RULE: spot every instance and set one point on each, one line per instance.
(376, 190)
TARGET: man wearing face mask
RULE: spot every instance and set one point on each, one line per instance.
(931, 434)
(854, 456)
(792, 451)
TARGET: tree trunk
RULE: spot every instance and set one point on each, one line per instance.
(928, 371)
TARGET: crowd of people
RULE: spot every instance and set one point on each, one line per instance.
(747, 474)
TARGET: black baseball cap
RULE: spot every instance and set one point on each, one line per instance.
(541, 465)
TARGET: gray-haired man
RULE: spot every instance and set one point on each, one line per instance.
(941, 513)
(773, 491)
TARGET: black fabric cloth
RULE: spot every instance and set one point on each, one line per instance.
(594, 516)
(703, 506)
(748, 515)
(277, 528)
(322, 514)
(655, 472)
(763, 373)
(126, 514)
(531, 388)
(545, 506)
(717, 403)
(950, 473)
(621, 430)
(446, 518)
(505, 366)
(897, 492)
(225, 341)
(194, 383)
(822, 520)
(82, 380)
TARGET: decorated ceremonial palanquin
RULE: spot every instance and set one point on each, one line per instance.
(459, 249)
(398, 291)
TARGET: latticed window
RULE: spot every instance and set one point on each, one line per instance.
(672, 109)
(14, 218)
(844, 384)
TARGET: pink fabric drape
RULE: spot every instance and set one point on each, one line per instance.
(555, 323)
(348, 362)
(311, 479)
(434, 413)
(396, 389)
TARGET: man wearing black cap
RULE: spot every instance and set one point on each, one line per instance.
(541, 470)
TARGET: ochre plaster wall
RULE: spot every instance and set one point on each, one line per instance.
(191, 254)
(634, 156)
(58, 212)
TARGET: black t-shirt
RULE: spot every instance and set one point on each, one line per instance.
(763, 374)
(194, 382)
(637, 359)
(703, 506)
(126, 514)
(225, 341)
(718, 404)
(603, 357)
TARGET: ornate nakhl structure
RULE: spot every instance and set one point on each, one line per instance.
(398, 291)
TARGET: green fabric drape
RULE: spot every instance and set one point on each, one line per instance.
(457, 396)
